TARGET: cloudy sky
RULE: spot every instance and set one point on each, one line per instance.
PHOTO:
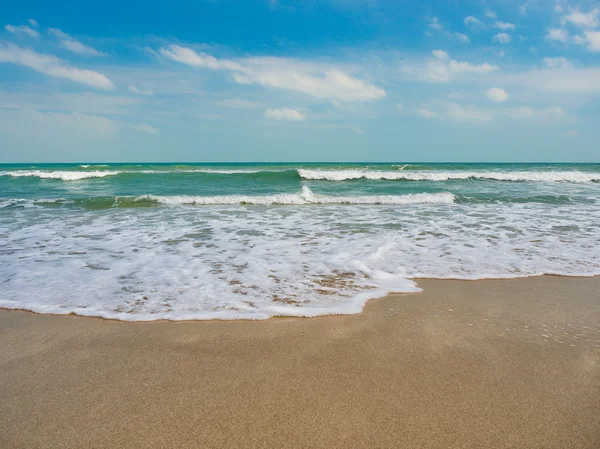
(268, 80)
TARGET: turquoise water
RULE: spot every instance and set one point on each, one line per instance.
(476, 183)
(228, 241)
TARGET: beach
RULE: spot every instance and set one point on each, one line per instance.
(463, 364)
(300, 224)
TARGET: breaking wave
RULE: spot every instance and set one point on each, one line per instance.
(62, 175)
(531, 176)
(400, 174)
(306, 196)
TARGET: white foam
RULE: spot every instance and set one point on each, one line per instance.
(71, 175)
(230, 172)
(234, 262)
(29, 203)
(8, 202)
(306, 196)
(532, 176)
(339, 175)
(62, 175)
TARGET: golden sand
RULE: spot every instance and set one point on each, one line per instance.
(484, 364)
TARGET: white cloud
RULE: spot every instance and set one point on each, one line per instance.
(557, 34)
(466, 67)
(135, 90)
(496, 94)
(52, 66)
(558, 63)
(33, 23)
(504, 25)
(77, 47)
(317, 80)
(440, 54)
(455, 112)
(285, 114)
(441, 68)
(188, 56)
(572, 132)
(73, 45)
(501, 38)
(471, 21)
(435, 23)
(461, 37)
(333, 84)
(560, 80)
(491, 14)
(523, 8)
(589, 38)
(593, 38)
(399, 107)
(583, 20)
(23, 29)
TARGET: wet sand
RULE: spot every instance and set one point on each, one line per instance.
(484, 364)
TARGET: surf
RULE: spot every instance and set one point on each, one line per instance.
(401, 175)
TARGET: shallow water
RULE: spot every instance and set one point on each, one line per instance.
(193, 241)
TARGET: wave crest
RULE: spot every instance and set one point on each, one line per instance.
(62, 175)
(306, 196)
(531, 176)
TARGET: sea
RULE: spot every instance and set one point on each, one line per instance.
(183, 241)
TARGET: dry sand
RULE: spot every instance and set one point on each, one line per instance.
(485, 364)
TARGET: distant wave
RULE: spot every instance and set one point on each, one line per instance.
(230, 172)
(399, 174)
(62, 175)
(72, 175)
(549, 176)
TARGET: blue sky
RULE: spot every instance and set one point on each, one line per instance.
(337, 80)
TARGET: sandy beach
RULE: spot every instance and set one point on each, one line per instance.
(483, 364)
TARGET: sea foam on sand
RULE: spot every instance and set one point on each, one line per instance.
(238, 262)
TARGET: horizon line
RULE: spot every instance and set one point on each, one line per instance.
(300, 162)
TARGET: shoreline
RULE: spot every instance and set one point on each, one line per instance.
(462, 364)
(415, 280)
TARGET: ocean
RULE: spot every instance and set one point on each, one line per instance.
(253, 241)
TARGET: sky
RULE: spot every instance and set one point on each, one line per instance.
(279, 80)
